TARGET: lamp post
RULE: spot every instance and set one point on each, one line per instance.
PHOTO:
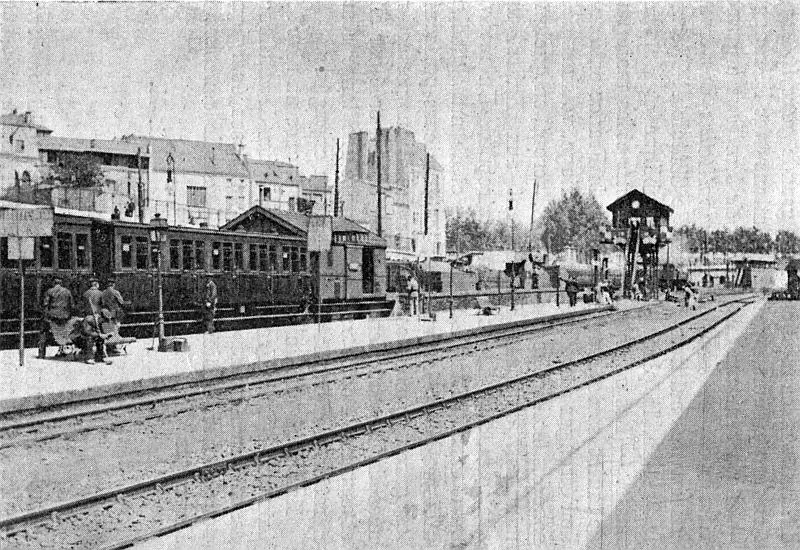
(458, 259)
(158, 236)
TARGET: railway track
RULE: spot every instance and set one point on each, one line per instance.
(123, 516)
(35, 426)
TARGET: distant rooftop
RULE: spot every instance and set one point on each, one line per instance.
(200, 157)
(23, 120)
(80, 145)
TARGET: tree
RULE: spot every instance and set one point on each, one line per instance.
(574, 220)
(787, 242)
(74, 170)
(466, 232)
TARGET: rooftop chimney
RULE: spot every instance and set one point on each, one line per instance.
(27, 117)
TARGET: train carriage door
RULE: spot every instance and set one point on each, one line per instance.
(367, 270)
(102, 250)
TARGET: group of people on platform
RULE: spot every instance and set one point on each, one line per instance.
(603, 292)
(102, 312)
(99, 307)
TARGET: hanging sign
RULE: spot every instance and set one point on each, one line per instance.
(26, 222)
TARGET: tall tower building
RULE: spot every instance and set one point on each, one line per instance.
(403, 167)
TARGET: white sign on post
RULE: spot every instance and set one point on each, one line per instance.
(20, 248)
(26, 222)
(320, 233)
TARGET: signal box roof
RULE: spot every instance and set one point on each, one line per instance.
(629, 197)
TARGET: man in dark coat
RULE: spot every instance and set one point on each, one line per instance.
(93, 297)
(572, 289)
(57, 308)
(112, 300)
(210, 305)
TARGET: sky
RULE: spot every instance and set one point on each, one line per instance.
(695, 104)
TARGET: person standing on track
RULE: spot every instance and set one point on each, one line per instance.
(57, 308)
(210, 305)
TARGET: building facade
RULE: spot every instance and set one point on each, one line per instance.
(19, 153)
(403, 174)
(187, 182)
(126, 176)
(315, 191)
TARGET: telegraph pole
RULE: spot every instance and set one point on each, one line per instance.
(533, 208)
(513, 256)
(336, 184)
(139, 186)
(378, 152)
(427, 179)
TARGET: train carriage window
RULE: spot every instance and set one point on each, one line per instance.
(286, 261)
(263, 258)
(142, 252)
(238, 256)
(227, 256)
(126, 254)
(216, 255)
(295, 260)
(82, 250)
(253, 257)
(273, 258)
(303, 264)
(199, 254)
(46, 252)
(65, 251)
(174, 254)
(188, 256)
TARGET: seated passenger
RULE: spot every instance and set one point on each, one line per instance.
(92, 339)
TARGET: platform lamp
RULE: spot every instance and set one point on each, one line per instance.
(158, 235)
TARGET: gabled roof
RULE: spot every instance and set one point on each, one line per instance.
(641, 197)
(79, 145)
(270, 214)
(299, 223)
(198, 157)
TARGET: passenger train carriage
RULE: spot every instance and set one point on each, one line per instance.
(260, 262)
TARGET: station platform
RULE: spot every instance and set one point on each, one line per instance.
(695, 449)
(43, 382)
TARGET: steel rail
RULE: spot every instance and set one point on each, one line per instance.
(188, 522)
(255, 380)
(17, 523)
